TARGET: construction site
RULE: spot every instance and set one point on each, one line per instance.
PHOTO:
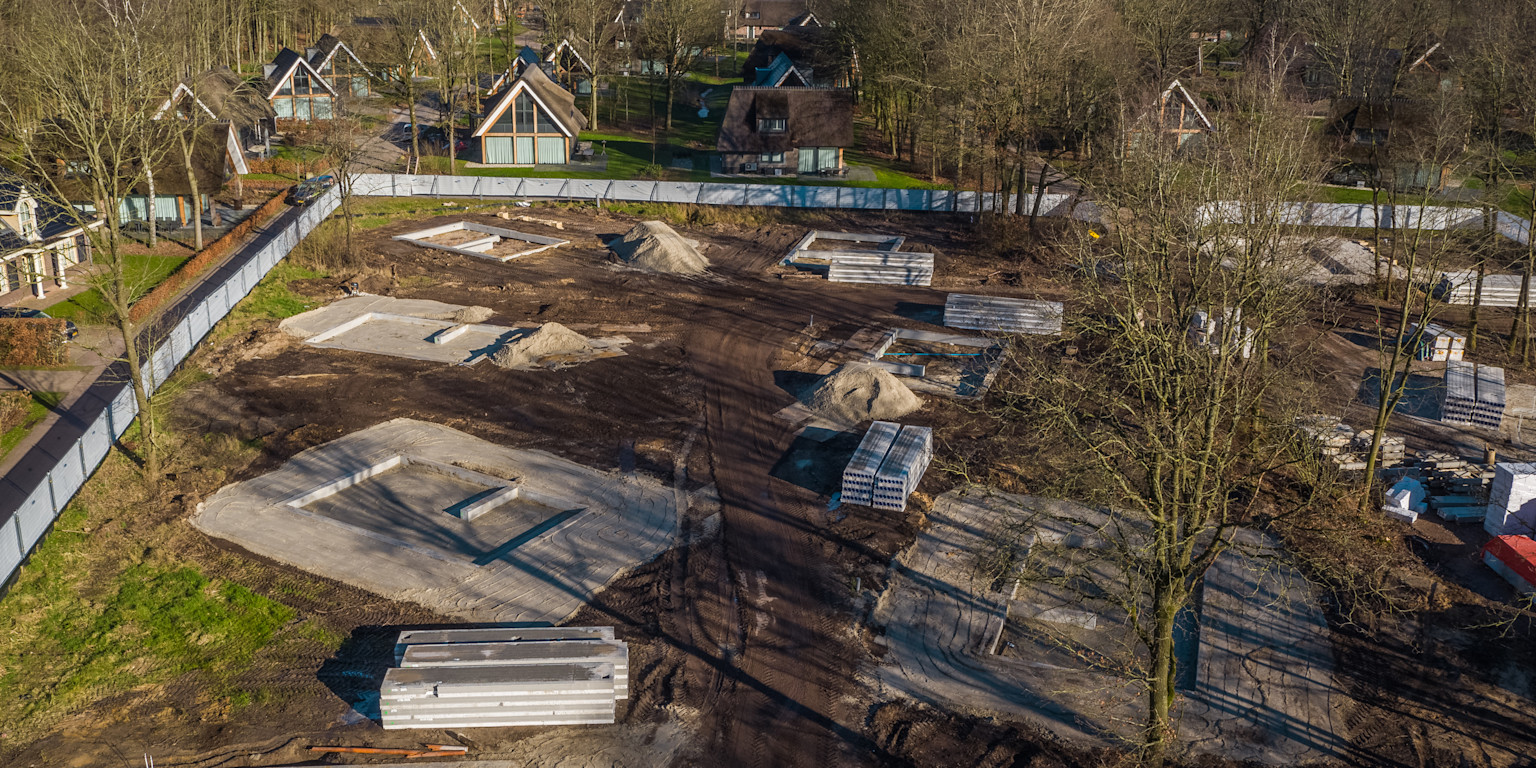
(685, 502)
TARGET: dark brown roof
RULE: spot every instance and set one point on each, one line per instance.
(814, 47)
(561, 103)
(815, 117)
(230, 97)
(773, 13)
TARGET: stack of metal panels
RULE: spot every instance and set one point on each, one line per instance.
(1436, 343)
(903, 468)
(888, 267)
(859, 475)
(1511, 500)
(1474, 394)
(994, 313)
(1461, 288)
(470, 678)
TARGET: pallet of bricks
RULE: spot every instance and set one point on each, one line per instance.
(467, 678)
(1457, 488)
(1435, 343)
(1473, 395)
(1347, 448)
(888, 465)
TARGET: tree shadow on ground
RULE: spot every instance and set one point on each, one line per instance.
(816, 458)
(1421, 394)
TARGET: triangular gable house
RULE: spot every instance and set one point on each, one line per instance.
(533, 122)
(221, 96)
(39, 240)
(1179, 116)
(297, 91)
(566, 65)
(340, 65)
(526, 57)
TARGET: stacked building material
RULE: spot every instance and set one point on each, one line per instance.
(1208, 330)
(1514, 558)
(1347, 448)
(1435, 343)
(1511, 500)
(1447, 475)
(859, 475)
(1474, 395)
(1461, 288)
(1389, 453)
(903, 468)
(884, 267)
(994, 313)
(499, 677)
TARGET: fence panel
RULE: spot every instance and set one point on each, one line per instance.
(722, 194)
(678, 191)
(373, 184)
(199, 321)
(122, 410)
(34, 517)
(907, 199)
(10, 547)
(66, 477)
(97, 440)
(632, 191)
(179, 343)
(543, 187)
(768, 195)
(586, 189)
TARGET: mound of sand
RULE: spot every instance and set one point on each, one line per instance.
(656, 247)
(860, 392)
(472, 315)
(549, 339)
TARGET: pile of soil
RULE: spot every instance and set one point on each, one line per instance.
(549, 339)
(859, 392)
(656, 247)
(472, 315)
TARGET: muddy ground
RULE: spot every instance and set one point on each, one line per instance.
(749, 636)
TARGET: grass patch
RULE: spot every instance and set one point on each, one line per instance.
(143, 271)
(36, 412)
(272, 299)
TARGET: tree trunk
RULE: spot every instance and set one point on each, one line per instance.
(197, 204)
(671, 94)
(1161, 678)
(149, 205)
(1034, 211)
(1477, 302)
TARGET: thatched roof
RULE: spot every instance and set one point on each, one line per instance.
(224, 96)
(809, 48)
(814, 117)
(560, 103)
(772, 13)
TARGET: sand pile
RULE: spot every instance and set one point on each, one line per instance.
(549, 339)
(472, 315)
(656, 247)
(860, 392)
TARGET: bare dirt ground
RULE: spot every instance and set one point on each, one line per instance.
(747, 642)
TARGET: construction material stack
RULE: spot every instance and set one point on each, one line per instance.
(882, 267)
(887, 466)
(1473, 395)
(1511, 500)
(1514, 558)
(903, 468)
(1461, 288)
(859, 475)
(467, 678)
(1345, 447)
(1208, 330)
(1435, 344)
(994, 313)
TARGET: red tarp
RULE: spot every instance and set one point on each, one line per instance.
(1517, 552)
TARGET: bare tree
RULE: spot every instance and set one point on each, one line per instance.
(587, 24)
(92, 151)
(1178, 433)
(674, 33)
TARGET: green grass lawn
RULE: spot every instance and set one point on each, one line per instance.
(41, 403)
(144, 273)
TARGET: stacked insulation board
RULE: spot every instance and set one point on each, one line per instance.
(885, 267)
(903, 468)
(1514, 558)
(1461, 288)
(994, 313)
(467, 678)
(1436, 344)
(859, 475)
(1208, 330)
(1474, 394)
(1511, 500)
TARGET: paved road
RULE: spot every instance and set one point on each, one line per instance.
(31, 470)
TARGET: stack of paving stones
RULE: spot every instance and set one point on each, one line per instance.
(859, 475)
(1474, 395)
(995, 313)
(1436, 344)
(1457, 489)
(1344, 446)
(468, 678)
(902, 469)
(888, 465)
(1511, 500)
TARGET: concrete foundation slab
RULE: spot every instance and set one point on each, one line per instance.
(400, 531)
(468, 238)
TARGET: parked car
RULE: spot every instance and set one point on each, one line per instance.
(310, 190)
(70, 329)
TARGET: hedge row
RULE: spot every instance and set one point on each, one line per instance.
(15, 404)
(277, 165)
(210, 255)
(32, 342)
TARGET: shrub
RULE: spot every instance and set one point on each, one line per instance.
(210, 255)
(32, 342)
(15, 404)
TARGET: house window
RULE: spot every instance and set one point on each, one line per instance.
(752, 15)
(28, 223)
(772, 125)
(525, 112)
(300, 81)
(771, 157)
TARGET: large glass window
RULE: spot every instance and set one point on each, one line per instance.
(300, 81)
(283, 107)
(504, 123)
(523, 150)
(546, 124)
(301, 109)
(498, 150)
(322, 107)
(552, 151)
(525, 112)
(28, 225)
